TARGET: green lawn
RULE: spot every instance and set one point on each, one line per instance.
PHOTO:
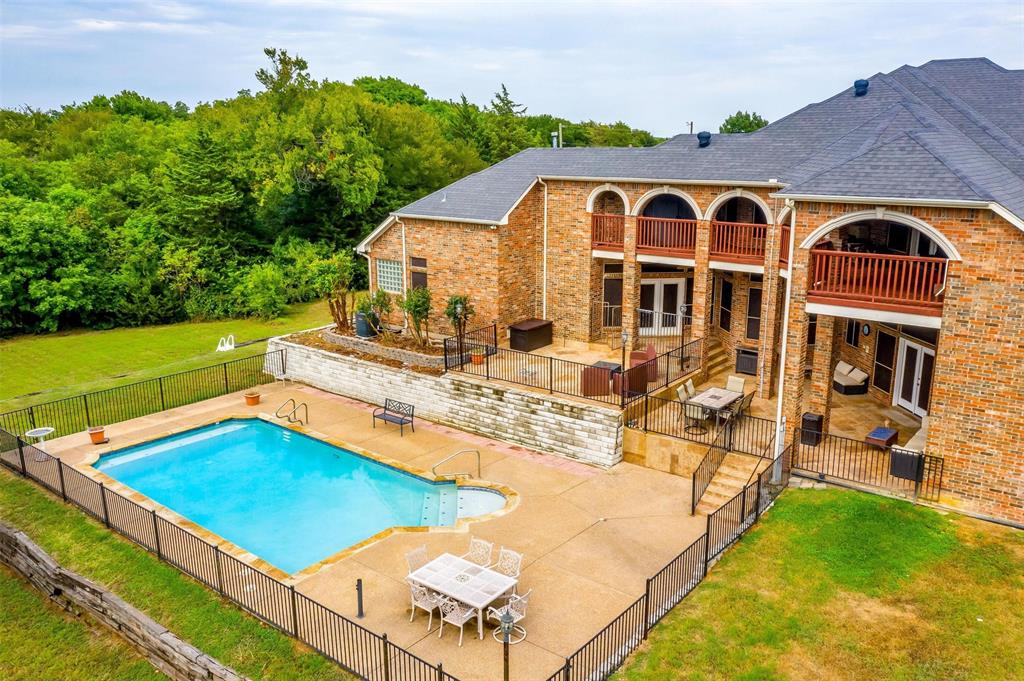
(42, 368)
(846, 585)
(190, 610)
(38, 640)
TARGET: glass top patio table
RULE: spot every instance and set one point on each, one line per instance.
(464, 581)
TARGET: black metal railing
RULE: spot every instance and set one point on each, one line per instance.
(351, 646)
(599, 657)
(841, 458)
(478, 354)
(125, 402)
(708, 467)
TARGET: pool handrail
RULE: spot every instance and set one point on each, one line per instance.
(433, 469)
(292, 415)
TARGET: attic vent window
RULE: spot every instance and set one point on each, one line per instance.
(703, 138)
(860, 88)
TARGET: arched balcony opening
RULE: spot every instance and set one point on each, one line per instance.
(739, 230)
(607, 219)
(667, 225)
(879, 263)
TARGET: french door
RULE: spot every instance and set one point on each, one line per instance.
(914, 373)
(660, 300)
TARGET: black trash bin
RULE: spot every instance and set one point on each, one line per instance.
(810, 429)
(906, 465)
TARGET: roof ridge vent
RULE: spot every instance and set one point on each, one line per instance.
(860, 87)
(703, 138)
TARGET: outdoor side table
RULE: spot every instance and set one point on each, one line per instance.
(40, 434)
(882, 437)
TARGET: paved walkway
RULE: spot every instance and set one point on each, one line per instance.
(590, 536)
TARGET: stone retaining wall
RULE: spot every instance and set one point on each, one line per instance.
(371, 347)
(549, 424)
(165, 651)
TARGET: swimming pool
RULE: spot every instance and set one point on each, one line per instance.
(289, 498)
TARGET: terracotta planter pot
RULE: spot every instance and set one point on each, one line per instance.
(477, 359)
(252, 399)
(96, 435)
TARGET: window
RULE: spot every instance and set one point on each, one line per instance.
(898, 238)
(689, 301)
(389, 275)
(812, 328)
(852, 332)
(885, 360)
(417, 273)
(754, 314)
(613, 268)
(725, 306)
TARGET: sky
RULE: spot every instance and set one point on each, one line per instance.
(654, 65)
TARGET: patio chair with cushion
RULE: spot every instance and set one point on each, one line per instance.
(736, 384)
(695, 414)
(691, 391)
(849, 380)
(480, 551)
(454, 612)
(424, 599)
(416, 558)
(642, 357)
(740, 406)
(635, 382)
(516, 607)
(595, 381)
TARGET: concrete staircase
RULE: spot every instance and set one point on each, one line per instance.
(718, 359)
(732, 476)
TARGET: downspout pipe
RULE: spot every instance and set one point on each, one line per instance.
(544, 257)
(780, 419)
(405, 273)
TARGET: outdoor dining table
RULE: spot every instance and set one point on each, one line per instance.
(464, 581)
(715, 399)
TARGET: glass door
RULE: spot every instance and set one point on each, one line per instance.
(660, 300)
(914, 377)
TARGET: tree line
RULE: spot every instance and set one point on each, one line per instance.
(124, 211)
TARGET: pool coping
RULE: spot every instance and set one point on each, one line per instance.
(86, 467)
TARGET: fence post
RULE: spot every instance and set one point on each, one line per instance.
(647, 607)
(156, 536)
(565, 670)
(757, 498)
(647, 410)
(21, 456)
(85, 401)
(707, 544)
(160, 382)
(225, 365)
(60, 477)
(387, 659)
(487, 364)
(32, 417)
(551, 375)
(440, 672)
(220, 574)
(103, 498)
(295, 613)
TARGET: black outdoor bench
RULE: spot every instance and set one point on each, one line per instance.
(395, 412)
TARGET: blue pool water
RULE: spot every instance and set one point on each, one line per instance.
(291, 499)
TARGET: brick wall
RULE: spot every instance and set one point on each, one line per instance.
(548, 424)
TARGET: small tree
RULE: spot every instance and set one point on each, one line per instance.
(742, 121)
(416, 304)
(381, 305)
(458, 311)
(332, 278)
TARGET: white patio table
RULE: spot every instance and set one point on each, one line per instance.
(464, 581)
(715, 399)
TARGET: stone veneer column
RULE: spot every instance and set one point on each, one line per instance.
(826, 354)
(703, 281)
(630, 283)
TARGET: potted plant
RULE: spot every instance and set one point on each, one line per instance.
(96, 435)
(366, 320)
(477, 355)
(252, 398)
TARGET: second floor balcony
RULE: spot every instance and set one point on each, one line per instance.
(729, 241)
(741, 242)
(897, 283)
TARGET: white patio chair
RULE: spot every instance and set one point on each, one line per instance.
(424, 599)
(510, 562)
(736, 384)
(480, 551)
(691, 391)
(416, 558)
(695, 414)
(454, 612)
(516, 607)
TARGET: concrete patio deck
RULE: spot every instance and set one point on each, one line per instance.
(590, 536)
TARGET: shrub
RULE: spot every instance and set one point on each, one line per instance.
(458, 311)
(262, 291)
(416, 304)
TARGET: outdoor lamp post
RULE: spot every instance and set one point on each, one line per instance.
(625, 339)
(459, 330)
(507, 623)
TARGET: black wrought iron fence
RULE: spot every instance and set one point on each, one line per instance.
(841, 458)
(125, 402)
(707, 468)
(353, 647)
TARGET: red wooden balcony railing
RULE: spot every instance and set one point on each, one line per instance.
(872, 280)
(738, 241)
(784, 245)
(665, 236)
(606, 231)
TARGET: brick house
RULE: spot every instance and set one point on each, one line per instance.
(883, 227)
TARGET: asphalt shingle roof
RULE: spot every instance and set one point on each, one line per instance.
(949, 129)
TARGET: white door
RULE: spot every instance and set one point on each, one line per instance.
(660, 302)
(914, 373)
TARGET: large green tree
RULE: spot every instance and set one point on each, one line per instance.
(742, 121)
